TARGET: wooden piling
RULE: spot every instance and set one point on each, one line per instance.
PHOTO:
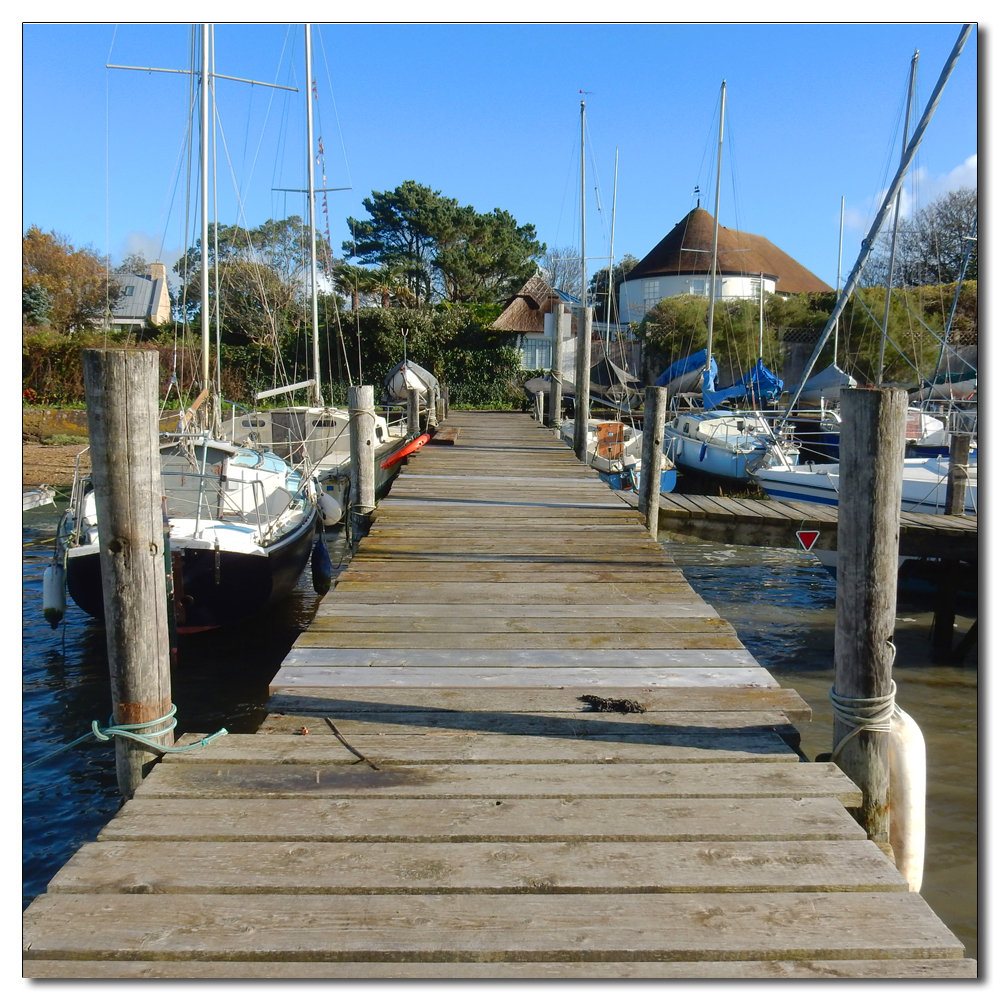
(121, 391)
(958, 472)
(654, 416)
(361, 401)
(582, 397)
(432, 409)
(872, 445)
(556, 371)
(943, 626)
(412, 412)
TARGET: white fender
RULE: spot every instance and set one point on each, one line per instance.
(907, 797)
(54, 594)
(332, 512)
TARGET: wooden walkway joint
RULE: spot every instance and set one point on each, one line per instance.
(433, 760)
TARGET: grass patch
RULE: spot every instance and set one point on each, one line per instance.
(66, 439)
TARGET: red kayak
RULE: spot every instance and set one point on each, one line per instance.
(407, 449)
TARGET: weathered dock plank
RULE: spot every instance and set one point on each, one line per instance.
(607, 779)
(607, 867)
(928, 968)
(703, 745)
(661, 927)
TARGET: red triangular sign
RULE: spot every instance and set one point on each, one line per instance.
(807, 539)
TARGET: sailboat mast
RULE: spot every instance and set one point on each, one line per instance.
(583, 205)
(611, 255)
(317, 392)
(205, 314)
(840, 264)
(895, 223)
(760, 325)
(715, 233)
(869, 241)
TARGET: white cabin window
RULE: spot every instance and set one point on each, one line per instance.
(536, 353)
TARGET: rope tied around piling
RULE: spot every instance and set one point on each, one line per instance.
(130, 731)
(864, 714)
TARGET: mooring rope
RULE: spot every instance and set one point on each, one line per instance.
(129, 731)
(871, 714)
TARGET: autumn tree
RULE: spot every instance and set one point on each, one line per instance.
(70, 287)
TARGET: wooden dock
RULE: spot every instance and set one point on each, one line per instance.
(744, 521)
(514, 743)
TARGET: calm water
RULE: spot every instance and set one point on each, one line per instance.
(780, 601)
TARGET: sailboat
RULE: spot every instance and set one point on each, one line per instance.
(241, 520)
(924, 479)
(699, 435)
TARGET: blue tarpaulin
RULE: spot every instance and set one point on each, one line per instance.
(684, 367)
(759, 384)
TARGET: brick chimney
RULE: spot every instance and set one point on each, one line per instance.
(157, 270)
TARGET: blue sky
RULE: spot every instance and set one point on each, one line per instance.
(489, 114)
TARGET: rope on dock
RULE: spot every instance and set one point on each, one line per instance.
(872, 714)
(128, 731)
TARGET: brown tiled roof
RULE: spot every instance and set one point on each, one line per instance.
(687, 249)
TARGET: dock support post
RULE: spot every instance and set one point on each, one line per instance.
(361, 403)
(445, 392)
(654, 416)
(943, 626)
(582, 397)
(121, 388)
(432, 409)
(442, 407)
(412, 412)
(537, 406)
(556, 371)
(872, 445)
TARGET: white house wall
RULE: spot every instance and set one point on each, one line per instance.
(637, 297)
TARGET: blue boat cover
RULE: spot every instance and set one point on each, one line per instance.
(759, 384)
(684, 367)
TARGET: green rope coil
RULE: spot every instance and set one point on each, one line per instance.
(128, 731)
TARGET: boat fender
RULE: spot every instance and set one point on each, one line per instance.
(330, 509)
(701, 454)
(322, 568)
(907, 797)
(54, 594)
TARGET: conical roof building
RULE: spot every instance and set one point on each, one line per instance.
(681, 264)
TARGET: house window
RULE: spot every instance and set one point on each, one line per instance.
(129, 290)
(536, 353)
(650, 293)
(699, 286)
(755, 288)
